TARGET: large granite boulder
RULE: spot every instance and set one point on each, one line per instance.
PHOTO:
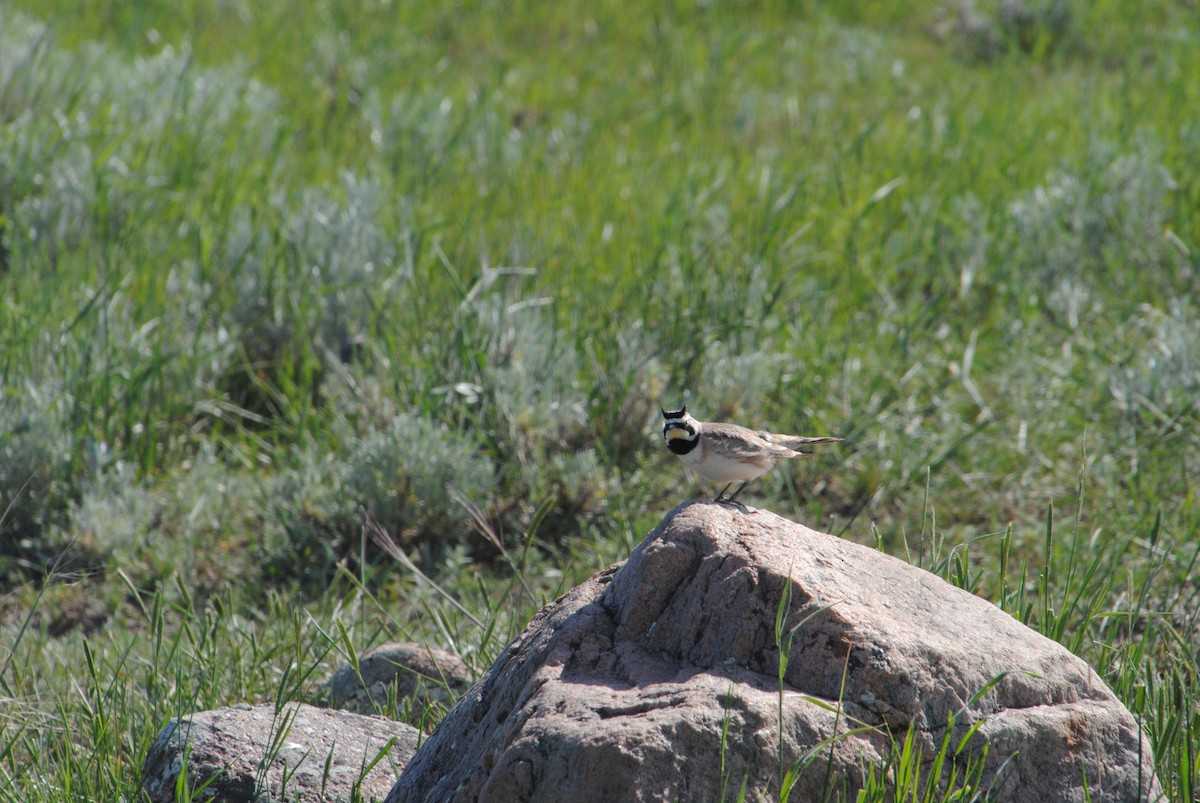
(660, 679)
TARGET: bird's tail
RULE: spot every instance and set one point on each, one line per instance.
(797, 443)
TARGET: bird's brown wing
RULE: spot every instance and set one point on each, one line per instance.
(744, 444)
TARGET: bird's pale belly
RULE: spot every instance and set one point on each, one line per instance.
(718, 468)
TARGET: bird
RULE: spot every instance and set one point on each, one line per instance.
(728, 452)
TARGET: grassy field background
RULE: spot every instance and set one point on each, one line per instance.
(264, 267)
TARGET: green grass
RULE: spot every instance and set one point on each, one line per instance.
(264, 269)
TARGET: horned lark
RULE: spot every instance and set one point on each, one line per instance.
(728, 453)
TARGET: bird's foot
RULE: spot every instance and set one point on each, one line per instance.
(735, 503)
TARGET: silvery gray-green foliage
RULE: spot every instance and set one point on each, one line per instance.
(35, 473)
(93, 150)
(575, 481)
(965, 247)
(310, 279)
(78, 157)
(531, 379)
(58, 214)
(115, 515)
(987, 30)
(405, 476)
(629, 388)
(295, 524)
(314, 519)
(1164, 372)
(418, 128)
(125, 521)
(1071, 229)
(531, 373)
(737, 384)
(343, 254)
(431, 138)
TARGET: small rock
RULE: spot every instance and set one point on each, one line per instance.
(301, 754)
(422, 674)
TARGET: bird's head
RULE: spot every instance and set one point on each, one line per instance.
(679, 429)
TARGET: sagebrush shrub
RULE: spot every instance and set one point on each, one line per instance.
(404, 477)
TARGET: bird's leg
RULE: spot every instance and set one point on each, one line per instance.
(738, 491)
(723, 490)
